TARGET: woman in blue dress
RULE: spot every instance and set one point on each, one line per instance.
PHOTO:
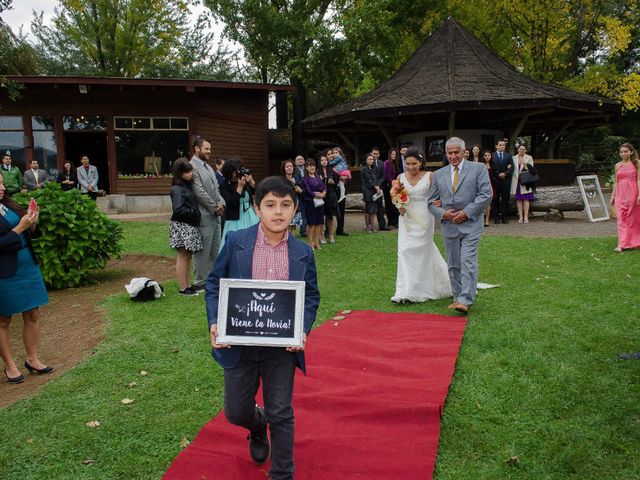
(22, 288)
(237, 191)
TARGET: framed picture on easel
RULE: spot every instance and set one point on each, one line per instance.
(594, 202)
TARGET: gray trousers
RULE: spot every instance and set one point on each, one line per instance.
(276, 367)
(462, 259)
(204, 260)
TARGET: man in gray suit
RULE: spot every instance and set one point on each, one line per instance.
(464, 190)
(35, 178)
(211, 204)
(88, 177)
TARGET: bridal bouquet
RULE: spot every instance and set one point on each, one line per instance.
(399, 194)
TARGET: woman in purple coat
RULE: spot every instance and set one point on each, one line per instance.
(313, 202)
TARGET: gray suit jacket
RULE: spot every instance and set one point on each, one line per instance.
(30, 179)
(473, 195)
(85, 179)
(206, 190)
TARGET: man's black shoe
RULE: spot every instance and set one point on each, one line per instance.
(505, 220)
(259, 447)
(385, 229)
(497, 221)
(342, 234)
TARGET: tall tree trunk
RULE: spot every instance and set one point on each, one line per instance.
(299, 101)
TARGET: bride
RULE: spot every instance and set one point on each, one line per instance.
(422, 272)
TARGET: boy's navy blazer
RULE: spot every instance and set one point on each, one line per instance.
(236, 261)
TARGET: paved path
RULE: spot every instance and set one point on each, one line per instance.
(575, 224)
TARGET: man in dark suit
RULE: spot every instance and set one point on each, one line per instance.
(378, 168)
(503, 168)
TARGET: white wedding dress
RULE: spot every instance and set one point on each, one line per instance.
(422, 272)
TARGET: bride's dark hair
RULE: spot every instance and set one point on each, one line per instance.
(415, 153)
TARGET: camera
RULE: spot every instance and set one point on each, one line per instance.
(242, 171)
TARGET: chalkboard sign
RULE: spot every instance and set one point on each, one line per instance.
(594, 203)
(261, 312)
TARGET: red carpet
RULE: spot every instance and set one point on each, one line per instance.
(368, 409)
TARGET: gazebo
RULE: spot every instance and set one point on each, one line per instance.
(453, 84)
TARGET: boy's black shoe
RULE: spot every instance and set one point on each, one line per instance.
(259, 447)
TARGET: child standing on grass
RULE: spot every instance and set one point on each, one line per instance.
(184, 234)
(265, 251)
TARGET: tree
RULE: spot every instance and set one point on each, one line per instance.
(278, 37)
(5, 5)
(125, 38)
(585, 45)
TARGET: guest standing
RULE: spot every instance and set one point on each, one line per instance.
(299, 175)
(475, 154)
(67, 177)
(88, 178)
(35, 178)
(313, 203)
(369, 188)
(211, 204)
(524, 193)
(237, 191)
(488, 162)
(288, 170)
(22, 288)
(503, 167)
(391, 171)
(378, 168)
(184, 234)
(626, 198)
(11, 174)
(330, 179)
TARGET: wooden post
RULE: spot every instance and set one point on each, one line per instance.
(551, 148)
(452, 123)
(516, 132)
(387, 135)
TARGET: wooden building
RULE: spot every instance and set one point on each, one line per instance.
(455, 85)
(133, 129)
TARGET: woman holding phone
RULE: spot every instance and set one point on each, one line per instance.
(22, 288)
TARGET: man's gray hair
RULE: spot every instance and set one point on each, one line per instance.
(455, 141)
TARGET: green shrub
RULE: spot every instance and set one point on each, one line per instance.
(77, 238)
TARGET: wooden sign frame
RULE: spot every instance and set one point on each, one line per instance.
(262, 317)
(592, 197)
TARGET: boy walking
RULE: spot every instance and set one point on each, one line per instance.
(265, 251)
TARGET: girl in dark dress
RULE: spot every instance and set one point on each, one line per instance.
(369, 189)
(67, 177)
(330, 179)
(486, 158)
(22, 288)
(313, 202)
(184, 234)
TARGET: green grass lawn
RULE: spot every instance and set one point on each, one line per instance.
(538, 392)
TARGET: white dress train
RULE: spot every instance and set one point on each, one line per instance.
(422, 272)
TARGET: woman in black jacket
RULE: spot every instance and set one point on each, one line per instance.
(369, 189)
(330, 179)
(67, 177)
(237, 191)
(184, 234)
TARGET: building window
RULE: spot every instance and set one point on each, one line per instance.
(149, 153)
(84, 122)
(45, 149)
(12, 139)
(148, 123)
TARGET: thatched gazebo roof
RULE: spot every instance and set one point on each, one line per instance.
(455, 81)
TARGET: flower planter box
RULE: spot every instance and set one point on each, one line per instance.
(143, 186)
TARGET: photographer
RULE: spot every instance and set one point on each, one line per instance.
(237, 191)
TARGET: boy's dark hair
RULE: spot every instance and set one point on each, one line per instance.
(179, 167)
(276, 184)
